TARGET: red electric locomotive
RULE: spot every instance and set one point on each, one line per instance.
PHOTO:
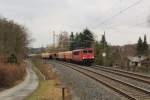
(84, 56)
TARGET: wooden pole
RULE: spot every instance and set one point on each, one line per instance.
(63, 93)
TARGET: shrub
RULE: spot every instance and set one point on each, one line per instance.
(10, 74)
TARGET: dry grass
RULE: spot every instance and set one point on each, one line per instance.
(49, 89)
(11, 74)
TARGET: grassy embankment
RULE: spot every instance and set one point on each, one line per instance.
(11, 74)
(49, 83)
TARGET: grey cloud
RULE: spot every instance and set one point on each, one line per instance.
(44, 16)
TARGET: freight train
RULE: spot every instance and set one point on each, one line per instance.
(82, 56)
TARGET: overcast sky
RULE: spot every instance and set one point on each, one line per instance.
(122, 20)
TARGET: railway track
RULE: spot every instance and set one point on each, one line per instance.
(127, 90)
(132, 75)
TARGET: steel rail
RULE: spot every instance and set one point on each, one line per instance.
(108, 85)
(124, 74)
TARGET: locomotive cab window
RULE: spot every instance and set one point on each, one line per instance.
(76, 53)
(85, 51)
(90, 51)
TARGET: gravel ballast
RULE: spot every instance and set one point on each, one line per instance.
(83, 87)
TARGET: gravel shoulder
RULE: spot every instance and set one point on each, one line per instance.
(23, 89)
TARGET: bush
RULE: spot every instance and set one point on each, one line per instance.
(10, 74)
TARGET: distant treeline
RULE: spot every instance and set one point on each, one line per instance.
(105, 53)
(13, 41)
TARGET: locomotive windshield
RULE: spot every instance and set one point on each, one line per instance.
(87, 51)
(90, 51)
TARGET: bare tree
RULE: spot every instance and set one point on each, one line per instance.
(63, 41)
(13, 41)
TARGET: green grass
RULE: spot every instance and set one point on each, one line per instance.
(47, 89)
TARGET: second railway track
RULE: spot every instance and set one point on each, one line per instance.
(136, 76)
(136, 79)
(127, 90)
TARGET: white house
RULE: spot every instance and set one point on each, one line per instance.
(136, 61)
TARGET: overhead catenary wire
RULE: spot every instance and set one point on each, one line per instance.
(120, 12)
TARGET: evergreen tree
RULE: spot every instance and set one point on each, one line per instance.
(81, 40)
(140, 46)
(103, 41)
(72, 42)
(145, 45)
(77, 41)
(87, 38)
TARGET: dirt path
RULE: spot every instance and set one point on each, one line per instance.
(22, 90)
